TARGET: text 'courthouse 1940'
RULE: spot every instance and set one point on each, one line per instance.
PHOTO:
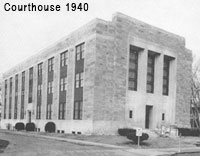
(105, 75)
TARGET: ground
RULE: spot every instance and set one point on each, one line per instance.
(21, 145)
(54, 144)
(152, 142)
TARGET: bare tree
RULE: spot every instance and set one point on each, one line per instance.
(195, 99)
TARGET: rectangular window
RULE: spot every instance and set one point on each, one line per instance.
(15, 109)
(50, 64)
(130, 114)
(63, 59)
(163, 116)
(80, 51)
(63, 84)
(39, 69)
(166, 66)
(150, 73)
(16, 96)
(50, 87)
(39, 90)
(10, 99)
(38, 113)
(79, 80)
(49, 111)
(5, 100)
(133, 68)
(22, 95)
(62, 111)
(31, 73)
(78, 110)
(30, 94)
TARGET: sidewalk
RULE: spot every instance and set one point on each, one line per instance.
(142, 152)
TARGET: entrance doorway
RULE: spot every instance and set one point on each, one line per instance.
(148, 117)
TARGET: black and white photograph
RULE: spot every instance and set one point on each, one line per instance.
(100, 78)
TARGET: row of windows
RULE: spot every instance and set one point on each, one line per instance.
(63, 84)
(133, 70)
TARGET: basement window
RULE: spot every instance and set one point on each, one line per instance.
(163, 116)
(130, 114)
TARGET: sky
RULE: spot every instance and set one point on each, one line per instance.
(23, 34)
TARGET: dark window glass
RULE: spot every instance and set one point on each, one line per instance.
(78, 110)
(39, 69)
(131, 114)
(79, 80)
(166, 66)
(49, 111)
(80, 51)
(63, 59)
(150, 73)
(50, 64)
(133, 68)
(62, 111)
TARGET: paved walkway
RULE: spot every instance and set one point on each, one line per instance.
(120, 150)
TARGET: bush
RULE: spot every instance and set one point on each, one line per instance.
(126, 131)
(19, 126)
(133, 137)
(131, 134)
(30, 126)
(189, 131)
(50, 127)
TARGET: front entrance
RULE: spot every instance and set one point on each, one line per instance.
(148, 117)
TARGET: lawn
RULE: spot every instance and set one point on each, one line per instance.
(3, 145)
(152, 142)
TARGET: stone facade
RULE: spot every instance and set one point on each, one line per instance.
(107, 101)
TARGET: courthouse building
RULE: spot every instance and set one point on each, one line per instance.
(104, 76)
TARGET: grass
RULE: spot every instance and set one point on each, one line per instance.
(3, 145)
(152, 142)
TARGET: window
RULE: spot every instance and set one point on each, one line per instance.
(23, 80)
(15, 109)
(5, 108)
(80, 51)
(50, 87)
(63, 59)
(79, 80)
(38, 113)
(40, 69)
(39, 90)
(22, 96)
(6, 86)
(63, 84)
(11, 86)
(62, 111)
(31, 73)
(163, 116)
(30, 98)
(50, 64)
(130, 114)
(10, 99)
(78, 110)
(16, 85)
(16, 96)
(166, 76)
(48, 111)
(133, 69)
(150, 73)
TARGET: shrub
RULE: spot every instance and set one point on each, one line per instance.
(189, 131)
(19, 126)
(50, 127)
(30, 126)
(133, 137)
(126, 131)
